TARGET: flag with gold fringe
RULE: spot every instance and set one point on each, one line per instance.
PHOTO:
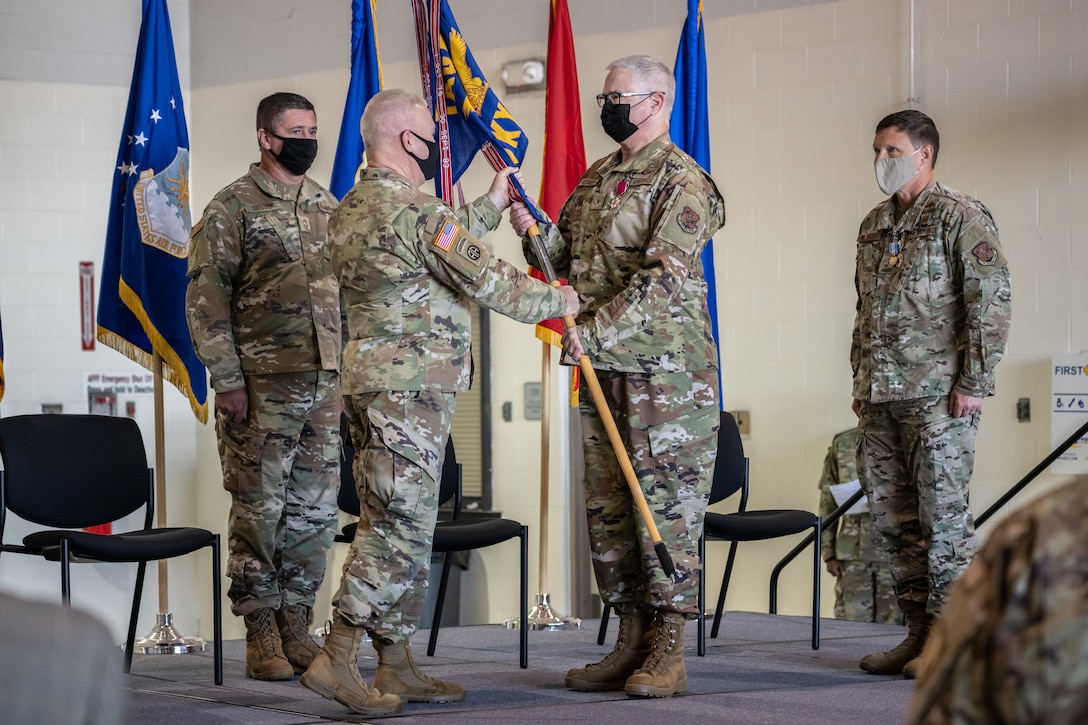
(141, 307)
(365, 83)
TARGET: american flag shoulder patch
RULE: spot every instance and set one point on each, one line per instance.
(446, 236)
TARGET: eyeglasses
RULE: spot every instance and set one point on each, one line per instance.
(615, 97)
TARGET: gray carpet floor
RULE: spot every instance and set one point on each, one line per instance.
(760, 669)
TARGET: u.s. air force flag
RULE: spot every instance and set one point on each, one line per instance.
(141, 307)
(469, 114)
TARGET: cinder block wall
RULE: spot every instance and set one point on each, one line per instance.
(795, 91)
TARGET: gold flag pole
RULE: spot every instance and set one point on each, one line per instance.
(542, 616)
(163, 639)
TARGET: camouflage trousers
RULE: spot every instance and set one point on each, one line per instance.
(866, 593)
(669, 422)
(915, 462)
(282, 469)
(400, 439)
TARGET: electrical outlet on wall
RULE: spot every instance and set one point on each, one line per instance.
(744, 421)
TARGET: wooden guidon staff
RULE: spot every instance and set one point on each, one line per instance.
(590, 377)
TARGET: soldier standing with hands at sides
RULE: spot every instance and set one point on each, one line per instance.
(629, 239)
(264, 315)
(408, 266)
(933, 312)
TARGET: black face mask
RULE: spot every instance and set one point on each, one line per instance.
(297, 154)
(429, 165)
(616, 121)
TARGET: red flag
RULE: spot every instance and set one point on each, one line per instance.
(564, 151)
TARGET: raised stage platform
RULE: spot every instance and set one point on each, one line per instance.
(760, 669)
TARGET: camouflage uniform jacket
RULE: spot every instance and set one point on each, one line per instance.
(262, 298)
(1011, 645)
(854, 538)
(408, 265)
(630, 238)
(939, 318)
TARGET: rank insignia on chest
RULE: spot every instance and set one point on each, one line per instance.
(688, 220)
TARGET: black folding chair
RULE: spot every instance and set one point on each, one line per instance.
(70, 472)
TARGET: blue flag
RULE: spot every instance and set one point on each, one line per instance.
(690, 124)
(366, 82)
(141, 307)
(470, 116)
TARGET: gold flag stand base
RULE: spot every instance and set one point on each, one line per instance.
(163, 639)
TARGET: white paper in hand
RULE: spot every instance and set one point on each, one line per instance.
(841, 492)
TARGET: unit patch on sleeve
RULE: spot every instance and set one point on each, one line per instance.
(459, 249)
(688, 220)
(985, 254)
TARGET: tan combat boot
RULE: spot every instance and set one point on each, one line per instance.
(298, 646)
(611, 673)
(894, 660)
(910, 670)
(334, 674)
(398, 675)
(264, 653)
(663, 673)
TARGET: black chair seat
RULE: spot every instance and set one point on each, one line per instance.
(757, 525)
(462, 535)
(145, 545)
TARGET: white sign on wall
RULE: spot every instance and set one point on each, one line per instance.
(1069, 410)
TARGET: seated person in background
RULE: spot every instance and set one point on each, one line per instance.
(1012, 642)
(852, 548)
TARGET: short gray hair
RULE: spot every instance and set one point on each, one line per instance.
(387, 113)
(650, 74)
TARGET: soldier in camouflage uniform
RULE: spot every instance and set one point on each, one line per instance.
(1011, 645)
(630, 238)
(264, 314)
(933, 314)
(408, 266)
(853, 550)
